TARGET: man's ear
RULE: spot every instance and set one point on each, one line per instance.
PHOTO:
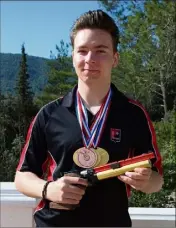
(116, 59)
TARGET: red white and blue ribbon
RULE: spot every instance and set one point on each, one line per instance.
(91, 136)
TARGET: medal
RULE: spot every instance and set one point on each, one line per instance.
(98, 157)
(104, 156)
(85, 158)
(91, 156)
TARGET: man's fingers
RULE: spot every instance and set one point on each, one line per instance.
(72, 196)
(75, 180)
(132, 182)
(137, 176)
(75, 189)
(70, 201)
(143, 171)
(75, 185)
(72, 185)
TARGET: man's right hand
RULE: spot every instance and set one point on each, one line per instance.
(67, 190)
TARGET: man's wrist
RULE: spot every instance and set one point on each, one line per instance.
(44, 190)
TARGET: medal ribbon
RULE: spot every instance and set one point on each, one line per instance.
(91, 136)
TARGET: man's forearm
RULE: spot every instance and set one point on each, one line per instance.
(29, 184)
(155, 183)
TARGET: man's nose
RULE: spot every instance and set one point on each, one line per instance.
(90, 57)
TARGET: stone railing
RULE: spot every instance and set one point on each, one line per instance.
(17, 210)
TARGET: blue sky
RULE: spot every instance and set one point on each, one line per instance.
(39, 24)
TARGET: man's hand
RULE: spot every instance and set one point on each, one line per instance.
(139, 179)
(65, 190)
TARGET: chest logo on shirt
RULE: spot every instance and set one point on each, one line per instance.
(115, 135)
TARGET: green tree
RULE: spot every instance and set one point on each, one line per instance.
(147, 52)
(23, 87)
(10, 158)
(15, 115)
(9, 134)
(24, 96)
(61, 75)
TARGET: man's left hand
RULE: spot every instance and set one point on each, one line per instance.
(138, 179)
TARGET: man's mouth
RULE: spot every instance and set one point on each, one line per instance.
(91, 70)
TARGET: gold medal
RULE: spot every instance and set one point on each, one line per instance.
(85, 158)
(98, 157)
(104, 156)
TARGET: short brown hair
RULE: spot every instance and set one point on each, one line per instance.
(96, 19)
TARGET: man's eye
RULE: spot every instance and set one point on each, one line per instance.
(100, 51)
(81, 51)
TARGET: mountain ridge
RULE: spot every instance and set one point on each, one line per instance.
(37, 68)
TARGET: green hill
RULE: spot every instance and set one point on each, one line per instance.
(9, 65)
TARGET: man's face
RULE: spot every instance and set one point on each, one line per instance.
(93, 55)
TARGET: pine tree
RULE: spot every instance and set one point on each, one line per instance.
(24, 96)
(16, 112)
(23, 88)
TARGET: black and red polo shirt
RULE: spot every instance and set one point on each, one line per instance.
(55, 134)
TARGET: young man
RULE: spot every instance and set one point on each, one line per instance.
(93, 118)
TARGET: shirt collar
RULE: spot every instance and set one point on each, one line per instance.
(69, 99)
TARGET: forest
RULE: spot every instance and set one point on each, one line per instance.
(146, 72)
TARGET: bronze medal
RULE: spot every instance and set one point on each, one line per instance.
(85, 158)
